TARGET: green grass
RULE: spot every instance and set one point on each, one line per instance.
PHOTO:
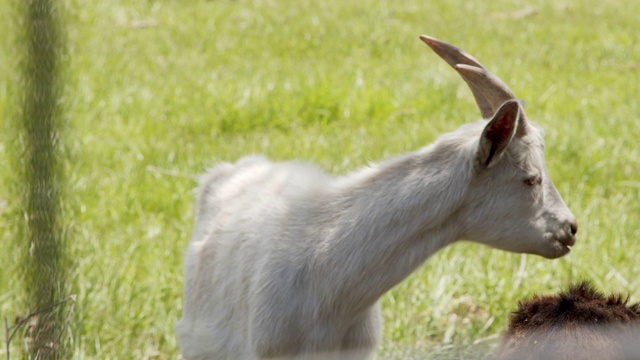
(156, 91)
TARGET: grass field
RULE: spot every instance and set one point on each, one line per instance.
(156, 91)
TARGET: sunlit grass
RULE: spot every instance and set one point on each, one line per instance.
(156, 91)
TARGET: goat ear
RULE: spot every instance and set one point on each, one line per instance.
(497, 135)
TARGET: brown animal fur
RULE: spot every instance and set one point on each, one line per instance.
(580, 323)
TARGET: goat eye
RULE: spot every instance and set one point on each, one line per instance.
(533, 181)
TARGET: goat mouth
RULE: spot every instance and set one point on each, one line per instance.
(566, 244)
(567, 241)
(565, 247)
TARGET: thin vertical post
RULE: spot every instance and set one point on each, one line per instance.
(44, 241)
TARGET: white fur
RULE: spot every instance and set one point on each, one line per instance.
(288, 262)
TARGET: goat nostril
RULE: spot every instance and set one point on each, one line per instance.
(574, 227)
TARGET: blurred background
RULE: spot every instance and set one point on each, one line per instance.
(109, 110)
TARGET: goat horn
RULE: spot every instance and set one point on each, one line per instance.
(494, 90)
(450, 53)
(489, 91)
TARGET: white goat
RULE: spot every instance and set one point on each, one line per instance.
(287, 262)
